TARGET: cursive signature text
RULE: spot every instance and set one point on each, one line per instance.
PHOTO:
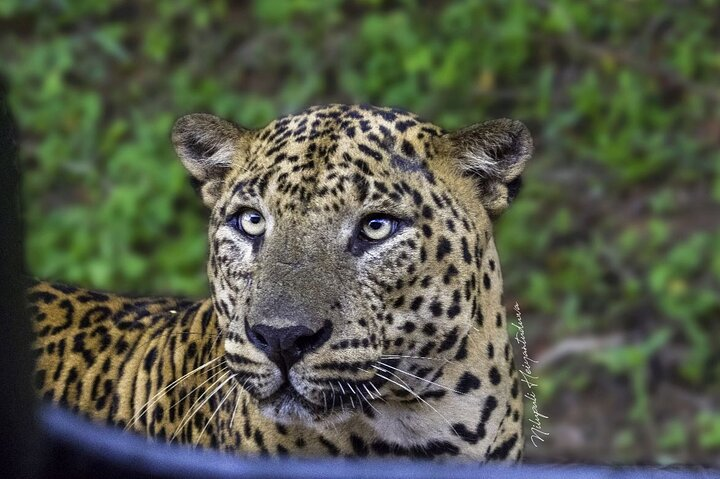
(527, 377)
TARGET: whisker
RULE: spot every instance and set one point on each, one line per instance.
(421, 378)
(153, 400)
(352, 403)
(214, 379)
(222, 370)
(376, 390)
(194, 409)
(367, 401)
(217, 338)
(181, 333)
(237, 402)
(398, 356)
(379, 396)
(217, 409)
(332, 406)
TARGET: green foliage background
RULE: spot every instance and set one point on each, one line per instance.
(611, 250)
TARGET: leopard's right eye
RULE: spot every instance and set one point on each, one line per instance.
(249, 222)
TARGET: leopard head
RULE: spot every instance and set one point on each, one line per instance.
(345, 246)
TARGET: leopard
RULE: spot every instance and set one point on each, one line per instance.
(356, 297)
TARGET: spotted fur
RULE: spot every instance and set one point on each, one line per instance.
(415, 360)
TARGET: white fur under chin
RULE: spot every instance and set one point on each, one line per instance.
(405, 428)
(292, 412)
(287, 413)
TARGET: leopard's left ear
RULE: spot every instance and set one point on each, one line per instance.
(208, 147)
(494, 153)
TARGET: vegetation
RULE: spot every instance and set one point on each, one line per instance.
(613, 244)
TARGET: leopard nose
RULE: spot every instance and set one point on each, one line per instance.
(286, 346)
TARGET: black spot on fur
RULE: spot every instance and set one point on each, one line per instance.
(370, 152)
(416, 303)
(491, 404)
(494, 376)
(462, 350)
(502, 451)
(407, 148)
(433, 394)
(467, 382)
(449, 340)
(443, 249)
(331, 448)
(409, 327)
(450, 273)
(471, 437)
(453, 311)
(359, 446)
(427, 212)
(429, 329)
(486, 281)
(467, 257)
(427, 349)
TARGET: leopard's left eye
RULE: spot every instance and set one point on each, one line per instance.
(377, 227)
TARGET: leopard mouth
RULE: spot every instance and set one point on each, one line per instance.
(340, 397)
(285, 394)
(288, 404)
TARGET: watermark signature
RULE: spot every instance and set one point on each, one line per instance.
(538, 435)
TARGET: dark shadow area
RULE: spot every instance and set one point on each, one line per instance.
(19, 442)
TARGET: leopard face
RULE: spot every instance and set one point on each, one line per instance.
(351, 254)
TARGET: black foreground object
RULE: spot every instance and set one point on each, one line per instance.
(81, 449)
(63, 445)
(19, 444)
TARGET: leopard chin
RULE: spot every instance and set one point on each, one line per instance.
(287, 406)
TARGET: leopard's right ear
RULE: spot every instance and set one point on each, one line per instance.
(208, 147)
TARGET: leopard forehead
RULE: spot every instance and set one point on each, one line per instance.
(331, 157)
(382, 135)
